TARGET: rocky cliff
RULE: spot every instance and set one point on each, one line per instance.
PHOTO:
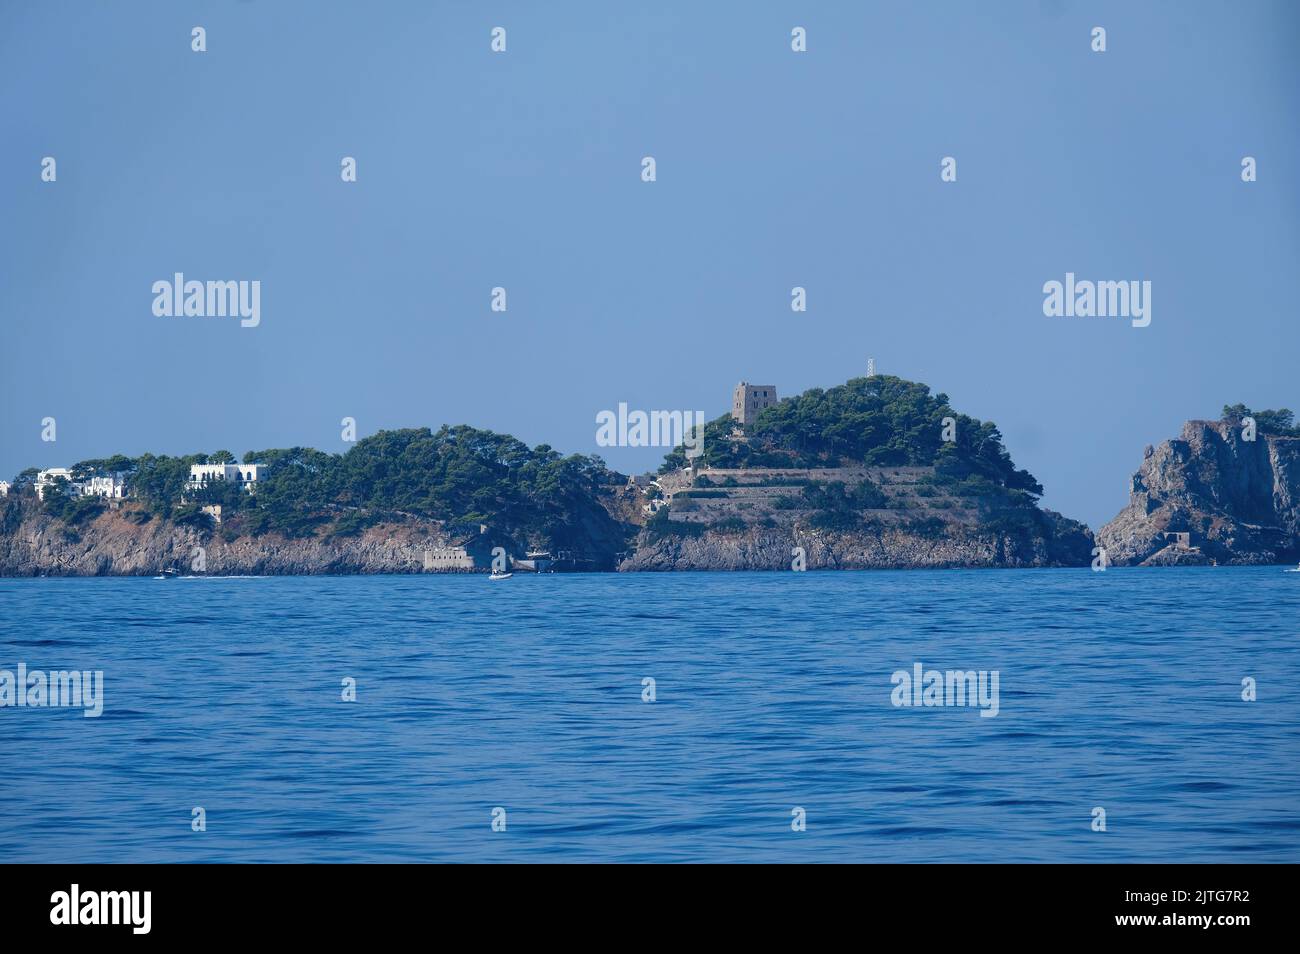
(848, 518)
(1065, 543)
(128, 541)
(1211, 496)
(116, 543)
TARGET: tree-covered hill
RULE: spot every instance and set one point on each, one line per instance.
(974, 507)
(879, 421)
(460, 475)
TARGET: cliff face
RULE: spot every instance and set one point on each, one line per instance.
(35, 544)
(1066, 544)
(1238, 501)
(124, 543)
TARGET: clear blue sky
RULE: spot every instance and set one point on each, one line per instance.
(775, 169)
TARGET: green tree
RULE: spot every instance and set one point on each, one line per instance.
(1280, 421)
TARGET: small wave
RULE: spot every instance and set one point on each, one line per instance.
(205, 577)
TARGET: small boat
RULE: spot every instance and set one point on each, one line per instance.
(1293, 570)
(500, 576)
(170, 573)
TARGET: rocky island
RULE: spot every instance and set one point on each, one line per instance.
(874, 473)
(1225, 491)
(877, 472)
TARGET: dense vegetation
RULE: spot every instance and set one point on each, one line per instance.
(1280, 422)
(837, 507)
(71, 510)
(877, 421)
(459, 475)
(466, 477)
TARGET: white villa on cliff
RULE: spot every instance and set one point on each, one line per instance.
(114, 486)
(246, 474)
(46, 478)
(111, 486)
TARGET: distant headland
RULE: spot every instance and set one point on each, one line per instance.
(875, 473)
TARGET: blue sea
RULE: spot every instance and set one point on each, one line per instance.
(1119, 690)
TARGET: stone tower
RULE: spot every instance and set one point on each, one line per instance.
(748, 400)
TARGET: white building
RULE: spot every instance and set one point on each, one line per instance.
(112, 486)
(246, 474)
(4, 488)
(46, 478)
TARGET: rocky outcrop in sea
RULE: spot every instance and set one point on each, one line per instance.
(1211, 496)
